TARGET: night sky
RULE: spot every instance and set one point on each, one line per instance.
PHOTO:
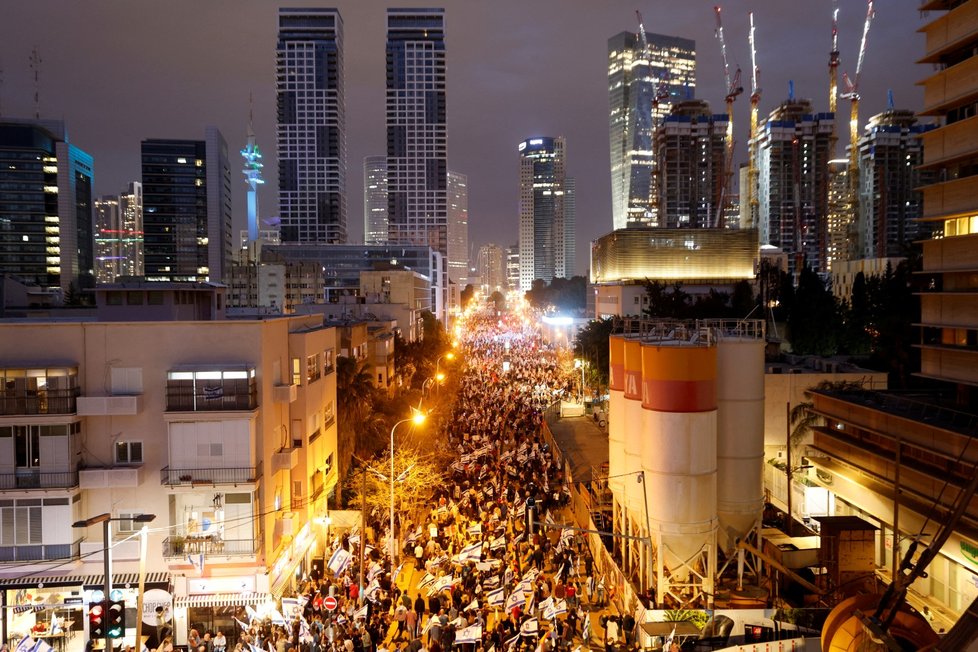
(119, 71)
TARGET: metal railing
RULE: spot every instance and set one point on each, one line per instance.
(49, 401)
(916, 409)
(222, 475)
(50, 552)
(182, 398)
(179, 546)
(30, 479)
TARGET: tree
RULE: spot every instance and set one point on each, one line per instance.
(466, 295)
(356, 396)
(416, 476)
(563, 295)
(667, 302)
(591, 343)
(814, 320)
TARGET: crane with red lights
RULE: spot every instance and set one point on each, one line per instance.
(755, 100)
(852, 94)
(834, 74)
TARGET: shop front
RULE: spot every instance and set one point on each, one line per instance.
(293, 563)
(212, 603)
(52, 611)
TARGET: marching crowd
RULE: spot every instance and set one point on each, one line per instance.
(489, 568)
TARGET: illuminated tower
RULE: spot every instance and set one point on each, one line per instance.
(252, 172)
(544, 214)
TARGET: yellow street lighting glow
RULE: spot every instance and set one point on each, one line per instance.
(418, 418)
(440, 377)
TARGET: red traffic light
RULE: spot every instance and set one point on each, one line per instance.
(96, 620)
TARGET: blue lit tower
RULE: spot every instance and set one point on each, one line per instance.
(252, 172)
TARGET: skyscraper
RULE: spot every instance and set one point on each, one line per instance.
(642, 90)
(46, 226)
(458, 227)
(492, 269)
(417, 152)
(375, 200)
(119, 234)
(690, 147)
(543, 211)
(311, 126)
(186, 208)
(793, 164)
(890, 154)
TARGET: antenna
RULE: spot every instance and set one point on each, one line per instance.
(35, 62)
(889, 99)
(791, 90)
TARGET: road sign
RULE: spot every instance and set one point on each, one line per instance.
(329, 602)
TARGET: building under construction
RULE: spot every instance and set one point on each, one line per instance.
(793, 162)
(690, 148)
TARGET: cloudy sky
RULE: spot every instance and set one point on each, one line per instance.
(119, 71)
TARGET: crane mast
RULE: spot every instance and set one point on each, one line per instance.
(852, 94)
(834, 74)
(755, 99)
(734, 88)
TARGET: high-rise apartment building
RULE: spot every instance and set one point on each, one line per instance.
(513, 267)
(417, 151)
(186, 208)
(841, 230)
(544, 212)
(119, 234)
(642, 88)
(46, 225)
(492, 269)
(793, 163)
(311, 126)
(375, 200)
(889, 200)
(690, 150)
(458, 227)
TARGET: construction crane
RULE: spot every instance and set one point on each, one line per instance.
(755, 99)
(834, 74)
(734, 88)
(852, 94)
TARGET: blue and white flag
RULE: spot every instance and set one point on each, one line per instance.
(42, 646)
(530, 628)
(516, 599)
(472, 634)
(475, 529)
(26, 644)
(375, 570)
(240, 624)
(426, 581)
(526, 586)
(560, 607)
(252, 614)
(669, 640)
(472, 606)
(511, 643)
(397, 571)
(360, 613)
(531, 574)
(444, 582)
(546, 604)
(490, 582)
(496, 598)
(371, 591)
(498, 542)
(277, 618)
(521, 509)
(438, 561)
(586, 627)
(507, 576)
(471, 552)
(291, 608)
(566, 537)
(197, 562)
(339, 561)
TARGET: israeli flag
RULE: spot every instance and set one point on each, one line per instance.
(508, 576)
(669, 640)
(42, 646)
(426, 581)
(471, 552)
(290, 608)
(375, 570)
(516, 598)
(490, 582)
(475, 530)
(240, 624)
(511, 643)
(371, 590)
(397, 571)
(360, 613)
(497, 543)
(472, 606)
(546, 604)
(496, 598)
(26, 644)
(560, 607)
(521, 509)
(530, 628)
(277, 618)
(586, 627)
(339, 561)
(472, 634)
(443, 582)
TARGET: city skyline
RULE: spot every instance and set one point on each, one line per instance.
(514, 70)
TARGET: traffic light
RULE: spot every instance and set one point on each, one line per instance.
(96, 620)
(117, 619)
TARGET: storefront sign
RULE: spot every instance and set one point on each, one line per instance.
(157, 605)
(211, 585)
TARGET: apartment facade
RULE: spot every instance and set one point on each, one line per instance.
(225, 430)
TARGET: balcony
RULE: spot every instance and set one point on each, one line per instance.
(285, 459)
(116, 477)
(50, 552)
(31, 479)
(285, 393)
(178, 546)
(98, 406)
(44, 390)
(211, 390)
(214, 476)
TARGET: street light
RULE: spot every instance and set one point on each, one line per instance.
(105, 520)
(417, 418)
(438, 375)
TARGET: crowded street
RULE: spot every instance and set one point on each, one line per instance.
(483, 565)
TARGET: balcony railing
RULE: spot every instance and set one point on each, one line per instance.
(224, 475)
(51, 552)
(186, 399)
(180, 546)
(49, 401)
(30, 479)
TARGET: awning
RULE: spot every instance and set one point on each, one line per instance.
(681, 627)
(223, 600)
(45, 581)
(155, 580)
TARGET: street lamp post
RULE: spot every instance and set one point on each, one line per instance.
(438, 375)
(418, 418)
(106, 520)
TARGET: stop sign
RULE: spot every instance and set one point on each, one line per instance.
(330, 603)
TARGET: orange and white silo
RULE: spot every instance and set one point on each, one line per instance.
(632, 432)
(679, 401)
(740, 435)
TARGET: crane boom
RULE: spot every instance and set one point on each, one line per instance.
(734, 89)
(834, 59)
(755, 99)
